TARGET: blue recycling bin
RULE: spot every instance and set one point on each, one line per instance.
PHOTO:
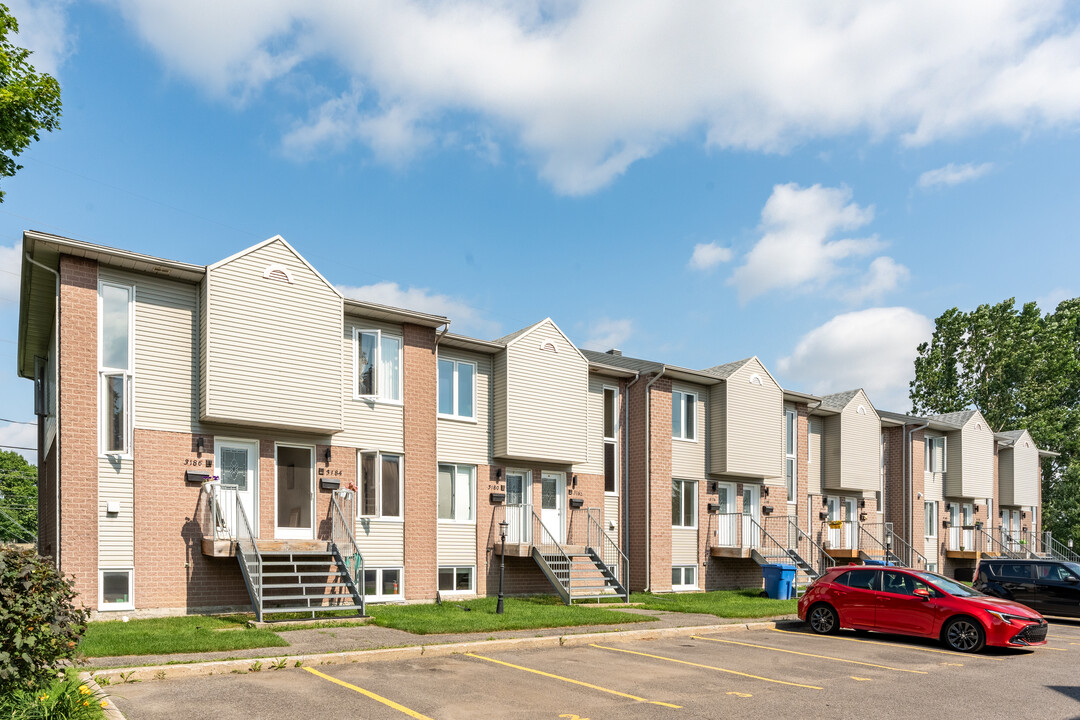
(779, 580)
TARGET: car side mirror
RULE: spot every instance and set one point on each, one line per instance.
(1072, 579)
(922, 593)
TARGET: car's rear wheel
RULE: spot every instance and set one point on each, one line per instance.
(823, 619)
(964, 634)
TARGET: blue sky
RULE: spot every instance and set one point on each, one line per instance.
(809, 182)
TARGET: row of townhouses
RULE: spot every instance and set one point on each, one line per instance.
(241, 435)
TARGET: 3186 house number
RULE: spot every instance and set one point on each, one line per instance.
(331, 472)
(198, 462)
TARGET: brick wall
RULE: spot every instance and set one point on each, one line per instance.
(637, 532)
(421, 463)
(660, 486)
(77, 401)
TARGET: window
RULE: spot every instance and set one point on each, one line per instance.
(683, 503)
(378, 365)
(683, 415)
(611, 429)
(930, 518)
(456, 579)
(457, 389)
(456, 492)
(931, 567)
(114, 366)
(790, 456)
(380, 485)
(860, 579)
(899, 583)
(115, 590)
(684, 577)
(935, 454)
(382, 583)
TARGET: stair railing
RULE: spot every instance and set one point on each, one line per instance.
(728, 529)
(909, 556)
(1015, 546)
(770, 548)
(994, 545)
(554, 556)
(247, 550)
(1059, 550)
(343, 538)
(607, 549)
(1032, 542)
(815, 555)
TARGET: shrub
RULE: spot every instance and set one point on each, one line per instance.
(39, 624)
(59, 700)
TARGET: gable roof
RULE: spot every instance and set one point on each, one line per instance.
(622, 362)
(960, 419)
(513, 337)
(270, 241)
(838, 401)
(727, 369)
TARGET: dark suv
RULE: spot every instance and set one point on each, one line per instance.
(1051, 587)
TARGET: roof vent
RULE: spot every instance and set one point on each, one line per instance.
(615, 351)
(755, 379)
(274, 271)
(548, 346)
(861, 409)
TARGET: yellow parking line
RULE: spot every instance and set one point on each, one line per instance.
(886, 644)
(823, 657)
(708, 667)
(575, 682)
(373, 696)
(1046, 647)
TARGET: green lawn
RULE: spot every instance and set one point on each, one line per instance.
(541, 611)
(160, 636)
(721, 603)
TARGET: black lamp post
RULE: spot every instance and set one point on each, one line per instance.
(503, 525)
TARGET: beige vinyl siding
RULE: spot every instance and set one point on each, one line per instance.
(546, 398)
(954, 470)
(858, 455)
(498, 405)
(368, 425)
(457, 543)
(815, 455)
(831, 446)
(116, 533)
(381, 542)
(688, 456)
(611, 517)
(684, 546)
(752, 425)
(463, 440)
(166, 351)
(203, 305)
(274, 355)
(716, 448)
(970, 451)
(595, 448)
(1019, 473)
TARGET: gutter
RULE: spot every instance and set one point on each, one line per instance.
(56, 329)
(626, 479)
(648, 479)
(440, 336)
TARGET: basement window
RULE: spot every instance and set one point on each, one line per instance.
(114, 590)
(455, 579)
(684, 577)
(382, 584)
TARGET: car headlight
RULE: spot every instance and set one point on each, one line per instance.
(1006, 617)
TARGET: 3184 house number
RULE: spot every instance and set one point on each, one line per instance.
(198, 462)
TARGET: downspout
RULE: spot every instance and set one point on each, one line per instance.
(446, 329)
(648, 479)
(626, 478)
(909, 509)
(56, 326)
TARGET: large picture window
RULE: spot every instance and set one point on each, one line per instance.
(380, 485)
(683, 503)
(457, 389)
(115, 352)
(683, 415)
(378, 365)
(456, 492)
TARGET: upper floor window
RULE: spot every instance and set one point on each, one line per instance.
(683, 415)
(378, 365)
(790, 448)
(457, 388)
(930, 519)
(456, 492)
(935, 454)
(115, 352)
(380, 485)
(683, 503)
(611, 428)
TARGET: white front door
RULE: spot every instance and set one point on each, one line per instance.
(969, 520)
(1015, 531)
(295, 516)
(851, 524)
(751, 507)
(726, 529)
(236, 464)
(836, 534)
(552, 493)
(954, 526)
(518, 510)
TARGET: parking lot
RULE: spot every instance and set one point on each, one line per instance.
(767, 672)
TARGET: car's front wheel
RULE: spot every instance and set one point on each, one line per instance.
(823, 619)
(964, 634)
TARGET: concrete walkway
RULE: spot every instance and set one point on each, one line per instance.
(371, 637)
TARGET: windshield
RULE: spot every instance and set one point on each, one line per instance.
(950, 586)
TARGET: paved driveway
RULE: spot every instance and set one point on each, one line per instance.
(766, 673)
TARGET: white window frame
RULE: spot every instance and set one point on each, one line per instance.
(682, 416)
(456, 415)
(931, 567)
(455, 482)
(682, 502)
(930, 509)
(381, 394)
(455, 569)
(929, 452)
(379, 596)
(610, 440)
(128, 374)
(378, 485)
(682, 573)
(791, 459)
(109, 607)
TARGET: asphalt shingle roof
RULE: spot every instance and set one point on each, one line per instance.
(838, 401)
(621, 361)
(727, 369)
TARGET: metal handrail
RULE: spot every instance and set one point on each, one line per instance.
(765, 534)
(217, 493)
(995, 545)
(1015, 547)
(242, 542)
(608, 549)
(554, 555)
(886, 553)
(823, 561)
(343, 539)
(734, 534)
(1059, 550)
(911, 557)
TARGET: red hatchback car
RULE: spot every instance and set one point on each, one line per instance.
(911, 602)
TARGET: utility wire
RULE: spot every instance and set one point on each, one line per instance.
(17, 447)
(18, 422)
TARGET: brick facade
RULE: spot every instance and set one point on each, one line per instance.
(421, 464)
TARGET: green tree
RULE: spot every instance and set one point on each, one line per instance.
(18, 497)
(1021, 369)
(29, 100)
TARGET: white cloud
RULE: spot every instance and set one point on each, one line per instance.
(10, 272)
(953, 174)
(797, 250)
(464, 318)
(20, 436)
(1048, 303)
(587, 88)
(606, 333)
(873, 349)
(708, 255)
(883, 276)
(43, 29)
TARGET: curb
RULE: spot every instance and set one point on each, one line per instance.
(111, 711)
(243, 667)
